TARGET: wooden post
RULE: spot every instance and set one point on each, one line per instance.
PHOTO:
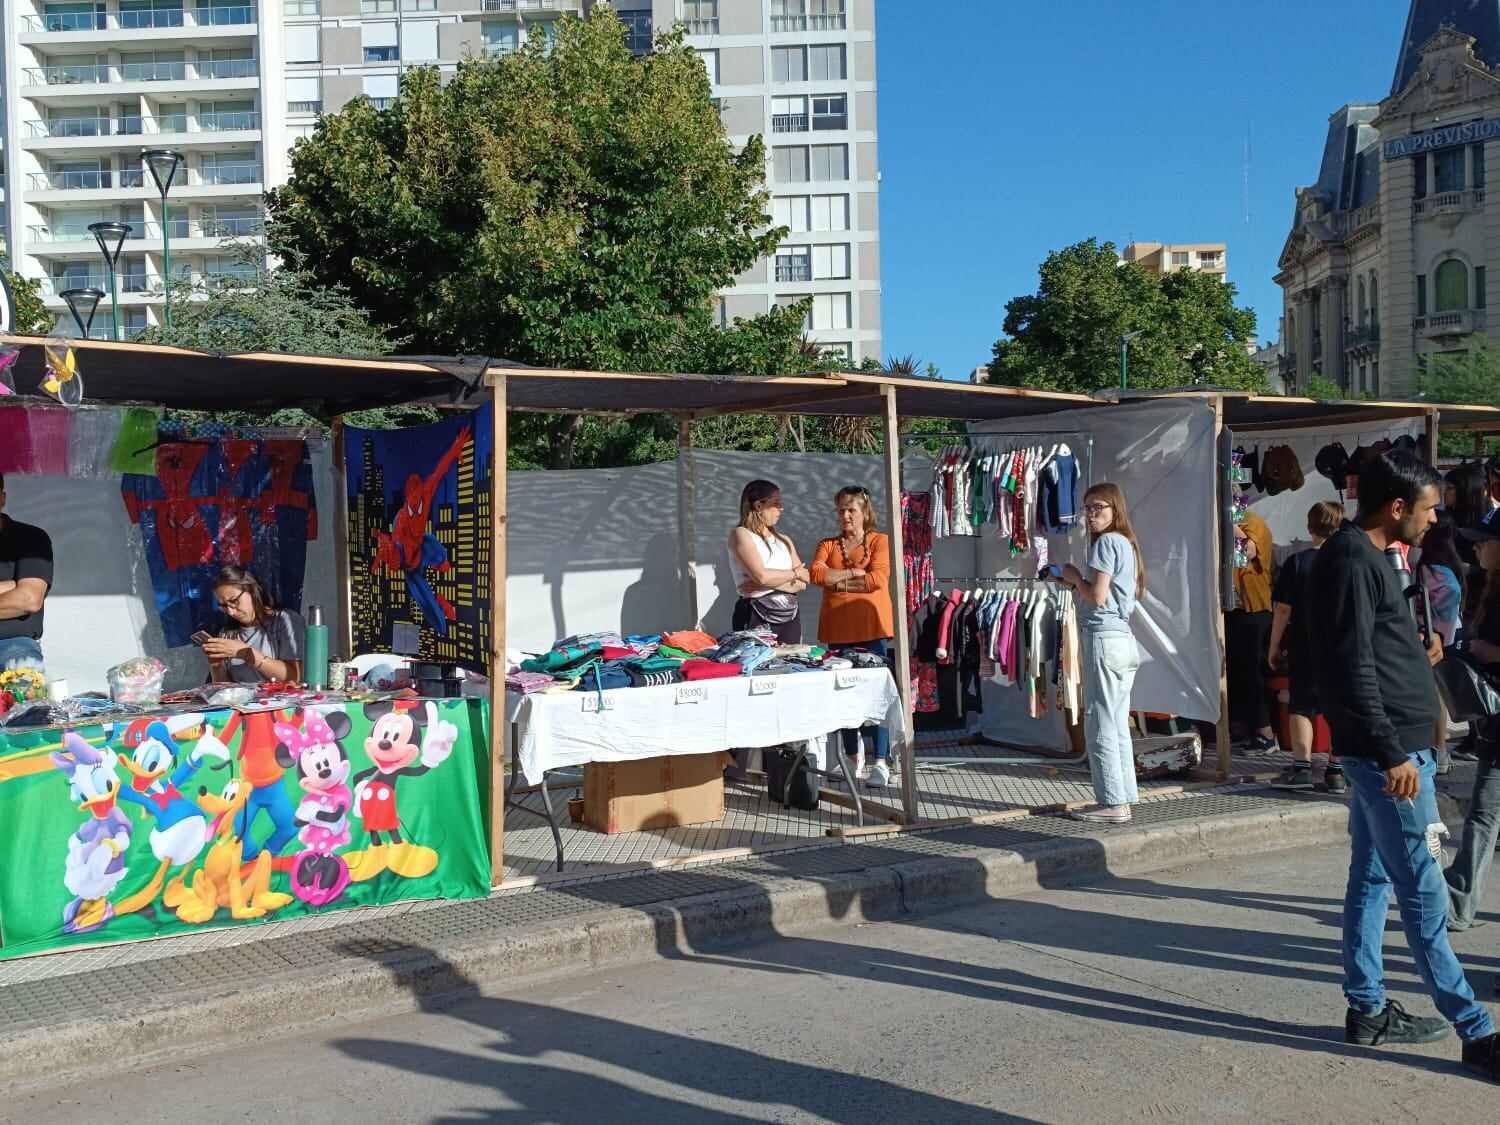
(1431, 452)
(901, 658)
(1479, 444)
(344, 637)
(498, 726)
(1218, 514)
(687, 527)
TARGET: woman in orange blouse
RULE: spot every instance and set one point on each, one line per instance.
(854, 569)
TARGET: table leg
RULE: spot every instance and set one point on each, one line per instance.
(552, 821)
(853, 783)
(551, 814)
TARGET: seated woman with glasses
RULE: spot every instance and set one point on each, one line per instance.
(259, 642)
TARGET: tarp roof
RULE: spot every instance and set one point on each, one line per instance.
(182, 379)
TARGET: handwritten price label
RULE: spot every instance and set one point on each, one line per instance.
(845, 679)
(691, 693)
(764, 685)
(593, 702)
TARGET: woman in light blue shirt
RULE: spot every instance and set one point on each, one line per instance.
(1107, 591)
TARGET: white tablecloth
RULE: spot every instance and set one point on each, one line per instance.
(567, 729)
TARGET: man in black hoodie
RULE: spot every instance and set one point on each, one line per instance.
(1376, 691)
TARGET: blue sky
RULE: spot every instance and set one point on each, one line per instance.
(1011, 128)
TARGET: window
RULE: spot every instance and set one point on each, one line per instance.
(1479, 279)
(299, 7)
(841, 350)
(1362, 372)
(376, 7)
(830, 263)
(222, 115)
(830, 162)
(1179, 257)
(419, 5)
(303, 44)
(788, 15)
(792, 212)
(825, 15)
(1450, 283)
(304, 94)
(710, 61)
(1419, 176)
(701, 16)
(1209, 259)
(137, 14)
(830, 312)
(826, 64)
(784, 301)
(500, 38)
(830, 112)
(794, 263)
(382, 54)
(721, 312)
(830, 212)
(380, 89)
(789, 165)
(788, 64)
(1363, 307)
(1448, 170)
(419, 40)
(637, 23)
(1477, 152)
(73, 17)
(379, 40)
(789, 115)
(1374, 303)
(1421, 294)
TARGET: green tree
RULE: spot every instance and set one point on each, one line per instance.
(569, 205)
(1471, 378)
(32, 317)
(1066, 335)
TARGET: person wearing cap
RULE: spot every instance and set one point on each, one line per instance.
(1247, 636)
(1377, 693)
(1470, 869)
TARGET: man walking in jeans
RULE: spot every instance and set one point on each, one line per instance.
(1377, 694)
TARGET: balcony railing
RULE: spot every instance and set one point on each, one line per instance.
(127, 282)
(1362, 336)
(244, 226)
(520, 5)
(1449, 202)
(61, 22)
(1460, 322)
(220, 174)
(89, 180)
(97, 126)
(793, 271)
(818, 21)
(703, 27)
(789, 123)
(229, 121)
(202, 70)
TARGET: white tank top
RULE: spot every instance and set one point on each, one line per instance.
(774, 555)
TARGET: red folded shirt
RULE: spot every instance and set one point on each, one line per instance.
(709, 670)
(613, 652)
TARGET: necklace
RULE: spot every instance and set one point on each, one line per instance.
(844, 554)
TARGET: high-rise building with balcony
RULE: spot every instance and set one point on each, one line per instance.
(1158, 258)
(232, 84)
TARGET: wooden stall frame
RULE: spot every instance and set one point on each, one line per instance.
(345, 637)
(499, 728)
(901, 658)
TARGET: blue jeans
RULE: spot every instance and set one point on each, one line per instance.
(21, 650)
(1388, 850)
(880, 737)
(1110, 662)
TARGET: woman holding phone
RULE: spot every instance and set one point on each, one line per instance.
(1108, 589)
(259, 642)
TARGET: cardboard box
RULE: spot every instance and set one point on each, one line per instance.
(654, 792)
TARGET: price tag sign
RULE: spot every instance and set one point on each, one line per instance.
(764, 685)
(845, 679)
(691, 693)
(595, 702)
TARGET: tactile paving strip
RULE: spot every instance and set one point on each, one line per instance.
(361, 936)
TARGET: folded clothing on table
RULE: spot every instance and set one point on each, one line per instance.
(709, 670)
(688, 640)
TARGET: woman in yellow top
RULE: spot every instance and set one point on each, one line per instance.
(854, 569)
(1247, 637)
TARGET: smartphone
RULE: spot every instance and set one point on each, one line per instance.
(1054, 572)
(200, 636)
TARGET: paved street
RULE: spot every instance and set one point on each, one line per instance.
(1201, 993)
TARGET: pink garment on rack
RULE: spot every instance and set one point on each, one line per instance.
(1005, 654)
(945, 630)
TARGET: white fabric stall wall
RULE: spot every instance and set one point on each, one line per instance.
(1163, 455)
(101, 610)
(1286, 512)
(595, 549)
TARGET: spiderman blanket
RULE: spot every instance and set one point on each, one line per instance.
(419, 536)
(232, 501)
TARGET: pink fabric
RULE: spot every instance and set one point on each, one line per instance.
(945, 630)
(1006, 650)
(15, 441)
(49, 440)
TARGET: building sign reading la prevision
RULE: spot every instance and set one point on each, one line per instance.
(1470, 132)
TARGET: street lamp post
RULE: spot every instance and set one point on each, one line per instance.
(83, 303)
(164, 164)
(111, 238)
(1125, 357)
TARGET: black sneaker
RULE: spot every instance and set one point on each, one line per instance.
(1261, 745)
(1335, 782)
(1393, 1026)
(1294, 777)
(1483, 1057)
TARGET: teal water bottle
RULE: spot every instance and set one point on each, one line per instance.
(315, 667)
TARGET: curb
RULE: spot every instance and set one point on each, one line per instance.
(369, 983)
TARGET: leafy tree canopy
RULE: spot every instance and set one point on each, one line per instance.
(32, 317)
(1066, 335)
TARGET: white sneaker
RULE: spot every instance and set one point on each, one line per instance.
(880, 775)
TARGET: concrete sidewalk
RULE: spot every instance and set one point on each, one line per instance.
(167, 1001)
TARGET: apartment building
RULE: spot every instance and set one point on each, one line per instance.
(1386, 263)
(1158, 259)
(232, 84)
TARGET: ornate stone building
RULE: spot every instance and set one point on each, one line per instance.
(1386, 263)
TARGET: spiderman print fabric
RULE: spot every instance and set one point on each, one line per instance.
(219, 501)
(419, 533)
